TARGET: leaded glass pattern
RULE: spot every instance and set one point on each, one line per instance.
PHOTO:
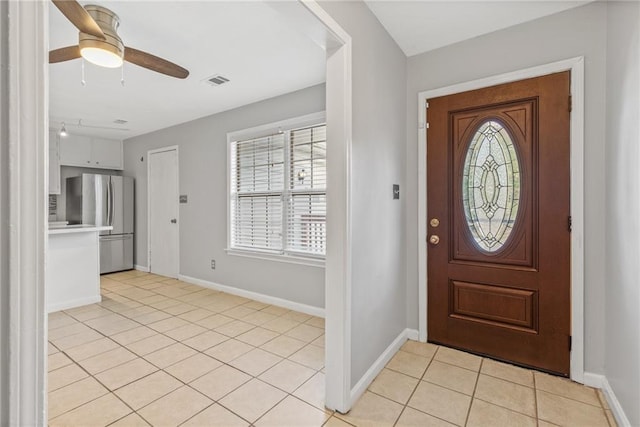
(491, 186)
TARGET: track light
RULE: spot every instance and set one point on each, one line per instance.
(63, 131)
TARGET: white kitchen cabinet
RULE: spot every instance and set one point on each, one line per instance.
(107, 153)
(54, 162)
(75, 150)
(91, 152)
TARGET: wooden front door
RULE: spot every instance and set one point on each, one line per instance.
(498, 224)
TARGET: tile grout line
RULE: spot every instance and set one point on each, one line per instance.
(474, 397)
(222, 313)
(404, 407)
(89, 375)
(109, 391)
(138, 356)
(99, 397)
(570, 398)
(473, 394)
(277, 403)
(118, 301)
(197, 391)
(505, 407)
(179, 341)
(535, 399)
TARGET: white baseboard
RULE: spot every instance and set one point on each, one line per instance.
(73, 304)
(371, 374)
(593, 380)
(267, 299)
(413, 334)
(141, 268)
(601, 382)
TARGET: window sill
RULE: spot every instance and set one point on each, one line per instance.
(291, 259)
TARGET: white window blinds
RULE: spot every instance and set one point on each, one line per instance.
(307, 204)
(278, 193)
(257, 184)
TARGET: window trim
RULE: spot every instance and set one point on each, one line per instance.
(307, 120)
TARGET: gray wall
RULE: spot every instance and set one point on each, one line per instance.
(577, 32)
(4, 213)
(378, 162)
(203, 220)
(622, 344)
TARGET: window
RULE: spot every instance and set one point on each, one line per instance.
(278, 192)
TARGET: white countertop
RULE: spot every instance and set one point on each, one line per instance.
(79, 228)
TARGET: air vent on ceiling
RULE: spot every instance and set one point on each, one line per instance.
(216, 80)
(120, 121)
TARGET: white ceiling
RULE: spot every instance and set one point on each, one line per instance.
(247, 42)
(423, 25)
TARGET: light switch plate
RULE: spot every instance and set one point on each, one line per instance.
(396, 191)
(183, 198)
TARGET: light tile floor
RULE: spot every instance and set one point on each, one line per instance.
(162, 352)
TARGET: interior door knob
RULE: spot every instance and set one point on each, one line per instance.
(174, 221)
(434, 240)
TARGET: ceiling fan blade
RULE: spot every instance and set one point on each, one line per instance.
(64, 54)
(154, 63)
(79, 17)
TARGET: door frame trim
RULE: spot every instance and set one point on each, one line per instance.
(576, 66)
(338, 46)
(24, 127)
(149, 153)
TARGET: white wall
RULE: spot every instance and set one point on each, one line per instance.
(622, 225)
(377, 162)
(203, 220)
(576, 32)
(4, 212)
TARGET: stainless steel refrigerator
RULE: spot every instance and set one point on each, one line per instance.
(105, 200)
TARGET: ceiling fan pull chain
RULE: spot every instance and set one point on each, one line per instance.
(122, 79)
(84, 83)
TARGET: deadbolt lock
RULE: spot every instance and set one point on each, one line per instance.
(434, 240)
(434, 222)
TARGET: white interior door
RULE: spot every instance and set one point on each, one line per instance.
(163, 212)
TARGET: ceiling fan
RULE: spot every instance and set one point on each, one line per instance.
(100, 44)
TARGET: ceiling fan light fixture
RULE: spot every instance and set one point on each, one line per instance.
(109, 58)
(100, 44)
(107, 52)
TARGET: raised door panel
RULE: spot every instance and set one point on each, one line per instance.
(106, 153)
(75, 150)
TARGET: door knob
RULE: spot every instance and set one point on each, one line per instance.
(434, 240)
(174, 221)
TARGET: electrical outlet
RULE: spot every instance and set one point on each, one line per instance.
(213, 264)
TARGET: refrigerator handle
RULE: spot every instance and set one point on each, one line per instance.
(111, 204)
(108, 192)
(112, 238)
